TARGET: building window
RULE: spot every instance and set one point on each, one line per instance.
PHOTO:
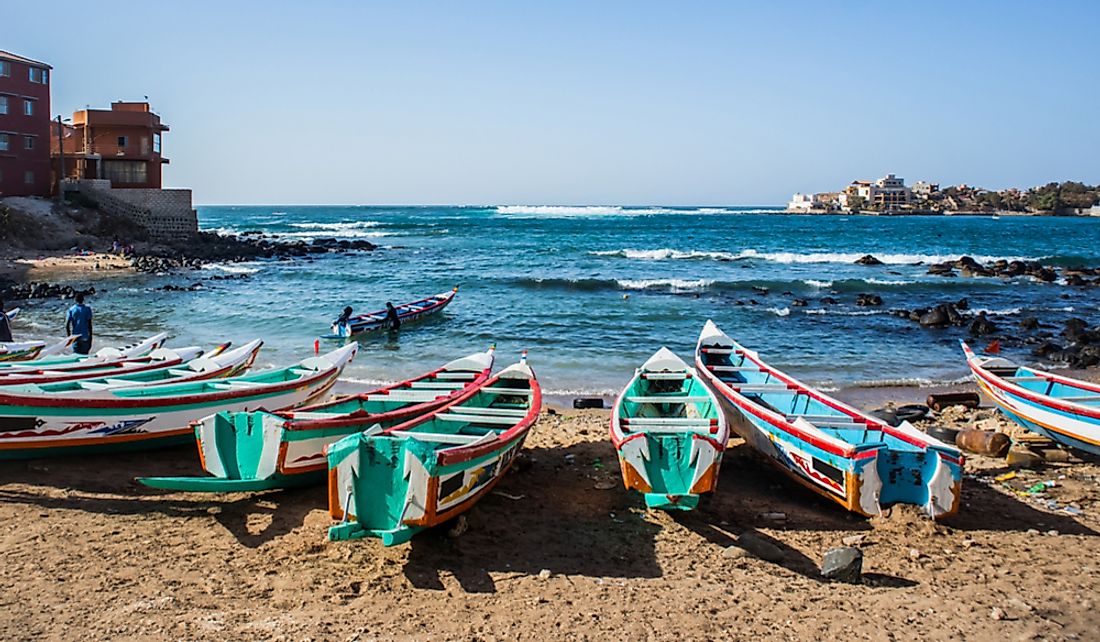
(122, 141)
(144, 145)
(28, 108)
(28, 177)
(3, 105)
(28, 142)
(40, 76)
(156, 143)
(124, 172)
(4, 142)
(5, 68)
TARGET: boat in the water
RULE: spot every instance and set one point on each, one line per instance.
(392, 483)
(259, 450)
(406, 313)
(51, 357)
(1063, 409)
(831, 448)
(148, 416)
(20, 350)
(670, 433)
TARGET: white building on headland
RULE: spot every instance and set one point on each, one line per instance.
(887, 193)
(801, 203)
(816, 203)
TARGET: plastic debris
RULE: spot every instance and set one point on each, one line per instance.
(1007, 476)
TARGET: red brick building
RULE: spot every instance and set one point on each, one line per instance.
(121, 144)
(24, 126)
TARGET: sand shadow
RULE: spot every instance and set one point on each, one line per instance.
(558, 515)
(106, 484)
(985, 508)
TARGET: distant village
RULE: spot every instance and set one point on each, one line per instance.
(890, 195)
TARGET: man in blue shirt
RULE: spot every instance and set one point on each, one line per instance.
(79, 322)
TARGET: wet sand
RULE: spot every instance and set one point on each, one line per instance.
(55, 266)
(558, 551)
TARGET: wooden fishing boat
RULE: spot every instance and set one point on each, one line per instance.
(392, 483)
(51, 357)
(406, 312)
(159, 359)
(249, 451)
(670, 433)
(148, 416)
(831, 448)
(1063, 409)
(20, 350)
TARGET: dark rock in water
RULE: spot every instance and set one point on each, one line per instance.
(963, 304)
(1088, 357)
(762, 291)
(901, 313)
(827, 300)
(1074, 329)
(844, 564)
(982, 326)
(916, 314)
(867, 259)
(788, 293)
(868, 300)
(1046, 348)
(935, 318)
(942, 269)
(761, 547)
(799, 303)
(1029, 323)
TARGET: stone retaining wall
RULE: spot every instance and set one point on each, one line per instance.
(165, 213)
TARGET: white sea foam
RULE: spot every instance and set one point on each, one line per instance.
(663, 254)
(1000, 311)
(344, 234)
(818, 284)
(616, 210)
(336, 226)
(845, 313)
(889, 281)
(673, 284)
(232, 268)
(780, 312)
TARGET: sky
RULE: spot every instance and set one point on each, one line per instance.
(580, 102)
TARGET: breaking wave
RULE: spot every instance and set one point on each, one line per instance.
(663, 254)
(552, 211)
(671, 284)
(336, 226)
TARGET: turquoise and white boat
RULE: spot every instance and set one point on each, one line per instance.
(393, 482)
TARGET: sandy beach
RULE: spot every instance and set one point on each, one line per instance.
(558, 551)
(55, 266)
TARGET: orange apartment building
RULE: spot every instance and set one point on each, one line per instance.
(122, 144)
(24, 126)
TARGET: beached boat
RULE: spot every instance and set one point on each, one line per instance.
(159, 359)
(147, 416)
(670, 433)
(1063, 409)
(391, 483)
(831, 448)
(20, 350)
(406, 313)
(249, 451)
(51, 357)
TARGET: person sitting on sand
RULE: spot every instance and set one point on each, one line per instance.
(393, 322)
(79, 322)
(342, 325)
(5, 324)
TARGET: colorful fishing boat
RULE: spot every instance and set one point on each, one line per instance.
(406, 313)
(249, 451)
(1063, 409)
(20, 350)
(831, 448)
(159, 359)
(51, 356)
(670, 433)
(393, 482)
(148, 416)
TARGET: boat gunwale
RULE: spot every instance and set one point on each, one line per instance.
(1035, 398)
(368, 325)
(616, 427)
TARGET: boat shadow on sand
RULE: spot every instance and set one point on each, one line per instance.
(105, 484)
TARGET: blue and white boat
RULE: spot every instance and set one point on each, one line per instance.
(1063, 409)
(831, 448)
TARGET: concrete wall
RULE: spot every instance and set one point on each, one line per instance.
(165, 213)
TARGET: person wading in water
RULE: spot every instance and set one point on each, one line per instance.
(79, 322)
(393, 322)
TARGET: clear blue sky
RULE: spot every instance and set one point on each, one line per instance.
(584, 102)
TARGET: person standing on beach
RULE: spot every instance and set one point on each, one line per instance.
(79, 322)
(5, 324)
(393, 322)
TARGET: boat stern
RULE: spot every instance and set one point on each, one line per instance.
(240, 445)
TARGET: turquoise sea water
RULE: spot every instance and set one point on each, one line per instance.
(593, 291)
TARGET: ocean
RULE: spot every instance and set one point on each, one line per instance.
(591, 292)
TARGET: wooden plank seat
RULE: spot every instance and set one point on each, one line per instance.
(498, 412)
(669, 399)
(666, 376)
(456, 376)
(734, 368)
(458, 415)
(434, 385)
(440, 437)
(832, 422)
(507, 391)
(717, 350)
(406, 395)
(1026, 378)
(757, 388)
(817, 418)
(672, 421)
